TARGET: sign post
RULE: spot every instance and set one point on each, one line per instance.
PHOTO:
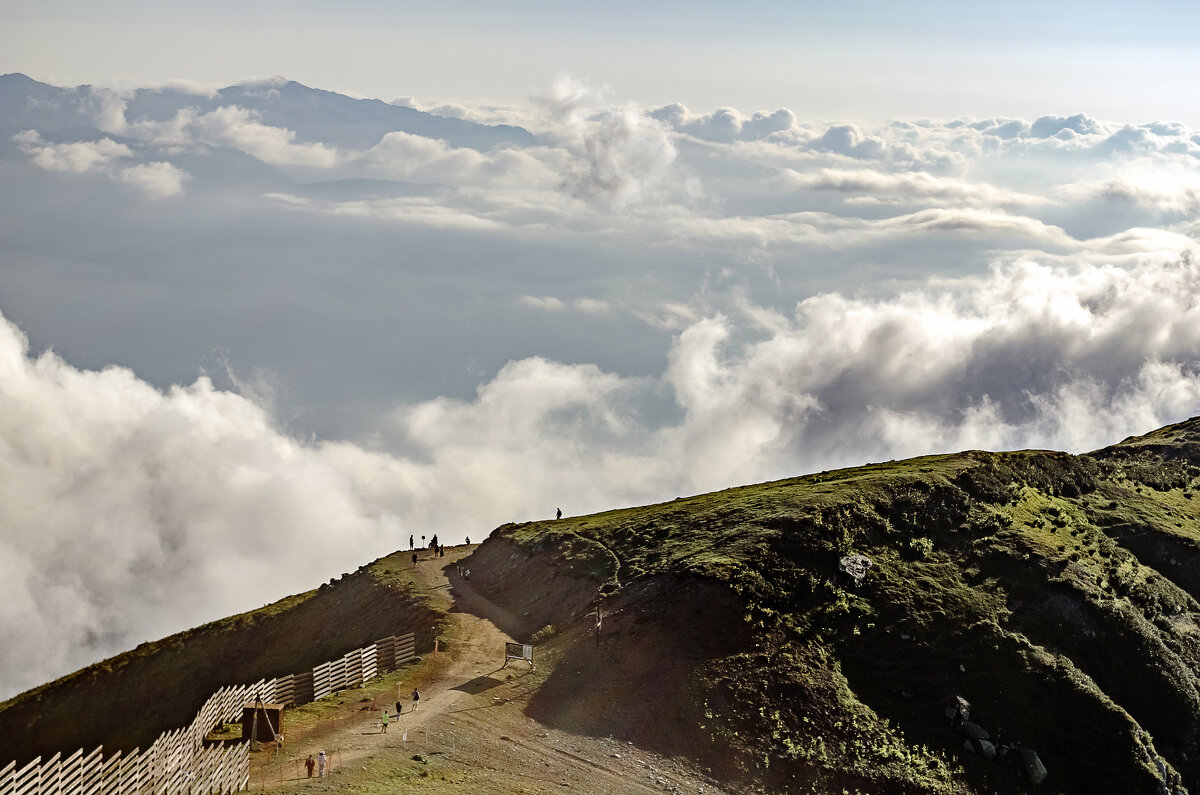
(518, 651)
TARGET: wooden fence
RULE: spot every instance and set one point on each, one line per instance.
(178, 762)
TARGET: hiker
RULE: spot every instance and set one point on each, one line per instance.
(322, 762)
(416, 699)
(384, 720)
(558, 515)
(442, 551)
(410, 542)
(399, 709)
(310, 763)
(414, 558)
(433, 543)
(468, 541)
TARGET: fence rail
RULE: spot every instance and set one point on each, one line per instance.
(178, 762)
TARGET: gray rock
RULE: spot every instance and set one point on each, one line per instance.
(975, 731)
(986, 749)
(855, 567)
(1033, 766)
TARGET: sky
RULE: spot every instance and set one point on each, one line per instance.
(849, 61)
(263, 336)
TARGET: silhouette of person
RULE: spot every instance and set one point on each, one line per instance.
(559, 514)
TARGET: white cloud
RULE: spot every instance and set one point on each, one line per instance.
(125, 509)
(876, 187)
(548, 303)
(157, 180)
(79, 157)
(401, 155)
(623, 155)
(239, 128)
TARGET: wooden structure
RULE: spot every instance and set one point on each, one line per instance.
(268, 722)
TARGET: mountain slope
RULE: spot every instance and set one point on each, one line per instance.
(125, 702)
(1055, 593)
(1025, 615)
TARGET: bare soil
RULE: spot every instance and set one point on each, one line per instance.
(473, 731)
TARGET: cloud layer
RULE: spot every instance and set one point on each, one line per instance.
(239, 338)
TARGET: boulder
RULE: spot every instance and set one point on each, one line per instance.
(855, 567)
(975, 731)
(1034, 768)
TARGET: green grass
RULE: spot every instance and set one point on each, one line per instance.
(1037, 584)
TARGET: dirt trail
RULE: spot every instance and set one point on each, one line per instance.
(470, 733)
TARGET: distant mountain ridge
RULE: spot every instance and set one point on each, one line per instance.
(312, 114)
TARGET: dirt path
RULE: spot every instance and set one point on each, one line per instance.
(470, 733)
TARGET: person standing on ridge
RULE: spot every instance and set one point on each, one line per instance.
(410, 542)
(558, 515)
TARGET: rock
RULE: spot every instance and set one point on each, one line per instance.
(986, 749)
(958, 710)
(855, 567)
(975, 731)
(1034, 768)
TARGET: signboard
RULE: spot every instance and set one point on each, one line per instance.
(518, 651)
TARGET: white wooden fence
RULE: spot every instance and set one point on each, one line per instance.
(178, 762)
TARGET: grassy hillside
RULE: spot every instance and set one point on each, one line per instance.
(128, 700)
(1056, 594)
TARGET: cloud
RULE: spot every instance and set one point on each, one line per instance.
(157, 180)
(78, 157)
(154, 179)
(725, 124)
(623, 155)
(126, 508)
(402, 155)
(1060, 356)
(876, 187)
(641, 304)
(848, 140)
(1065, 126)
(239, 128)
